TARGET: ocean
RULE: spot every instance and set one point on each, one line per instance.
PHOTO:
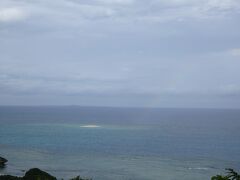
(106, 143)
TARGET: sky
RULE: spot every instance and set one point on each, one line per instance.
(147, 53)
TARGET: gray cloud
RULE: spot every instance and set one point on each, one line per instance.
(122, 52)
(77, 12)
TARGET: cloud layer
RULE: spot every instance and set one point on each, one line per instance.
(175, 53)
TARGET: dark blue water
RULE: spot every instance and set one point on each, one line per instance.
(120, 143)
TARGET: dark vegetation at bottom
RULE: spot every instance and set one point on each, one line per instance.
(37, 174)
(230, 175)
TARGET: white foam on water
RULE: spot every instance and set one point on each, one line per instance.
(198, 168)
(90, 126)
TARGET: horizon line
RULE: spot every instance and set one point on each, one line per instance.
(134, 107)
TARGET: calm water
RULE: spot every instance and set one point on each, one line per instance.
(120, 143)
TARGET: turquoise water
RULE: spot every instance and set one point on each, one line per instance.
(120, 143)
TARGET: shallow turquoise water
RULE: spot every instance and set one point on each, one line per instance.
(118, 143)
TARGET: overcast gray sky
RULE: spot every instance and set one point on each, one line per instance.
(153, 53)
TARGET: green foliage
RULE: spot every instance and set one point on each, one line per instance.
(233, 175)
(219, 177)
(37, 174)
(8, 177)
(230, 175)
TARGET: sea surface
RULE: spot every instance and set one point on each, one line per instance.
(120, 143)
